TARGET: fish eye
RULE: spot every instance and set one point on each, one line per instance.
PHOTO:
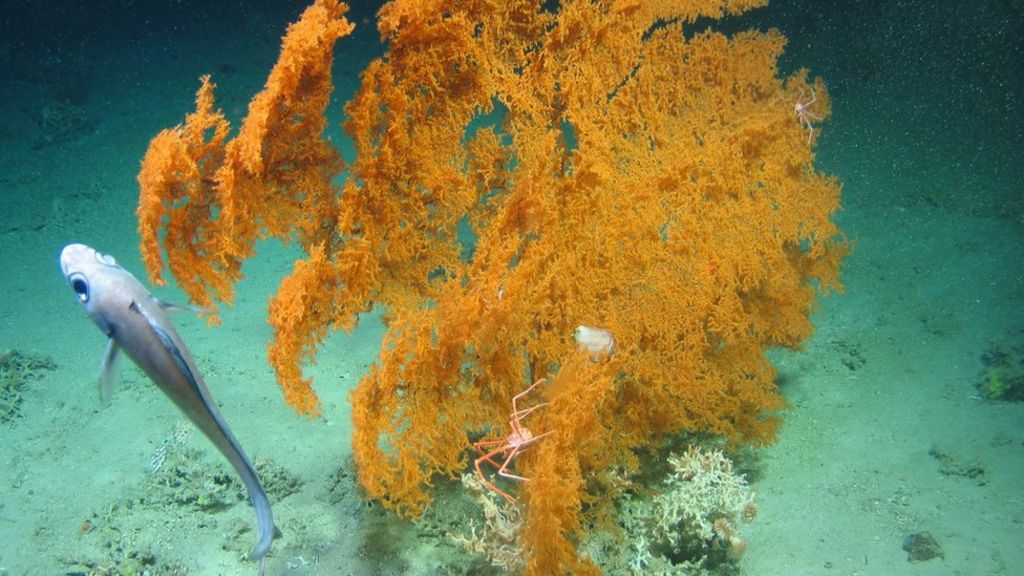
(81, 287)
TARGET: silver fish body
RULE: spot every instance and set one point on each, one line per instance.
(137, 323)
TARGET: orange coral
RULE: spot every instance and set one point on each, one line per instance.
(520, 173)
(214, 197)
(178, 196)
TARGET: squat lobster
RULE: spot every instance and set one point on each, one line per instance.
(805, 116)
(510, 446)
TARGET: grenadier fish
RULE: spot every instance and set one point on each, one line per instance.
(136, 322)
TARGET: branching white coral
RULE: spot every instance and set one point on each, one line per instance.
(689, 527)
(498, 538)
(704, 499)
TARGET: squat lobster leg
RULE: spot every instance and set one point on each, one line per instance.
(804, 115)
(518, 439)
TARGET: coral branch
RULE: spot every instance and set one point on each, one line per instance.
(213, 197)
(520, 173)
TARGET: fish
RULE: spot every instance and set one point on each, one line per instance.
(136, 323)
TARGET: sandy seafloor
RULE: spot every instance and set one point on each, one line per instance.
(886, 435)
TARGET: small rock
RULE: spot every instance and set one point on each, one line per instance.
(922, 546)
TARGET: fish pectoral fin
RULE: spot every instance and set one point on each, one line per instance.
(172, 308)
(108, 371)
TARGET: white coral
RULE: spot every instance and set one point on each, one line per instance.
(498, 538)
(703, 491)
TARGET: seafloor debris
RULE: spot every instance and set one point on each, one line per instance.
(62, 122)
(921, 546)
(17, 369)
(1003, 376)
